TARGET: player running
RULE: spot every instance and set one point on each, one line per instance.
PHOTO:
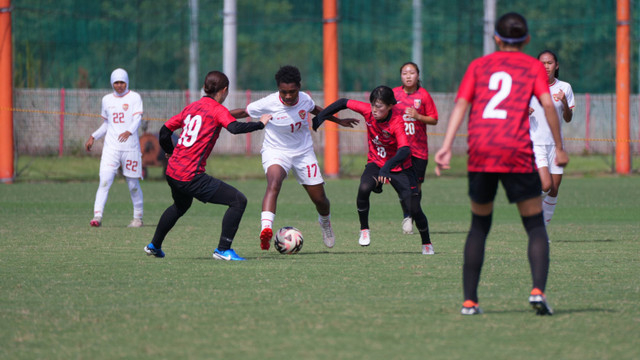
(288, 145)
(388, 159)
(418, 111)
(121, 114)
(498, 87)
(543, 143)
(201, 123)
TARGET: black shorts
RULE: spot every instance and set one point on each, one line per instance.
(202, 187)
(403, 182)
(519, 187)
(420, 168)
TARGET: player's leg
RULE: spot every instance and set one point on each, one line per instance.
(419, 167)
(308, 174)
(482, 191)
(132, 170)
(276, 165)
(405, 184)
(108, 168)
(368, 182)
(523, 189)
(182, 201)
(236, 201)
(541, 153)
(549, 202)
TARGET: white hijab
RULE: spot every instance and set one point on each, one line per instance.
(120, 75)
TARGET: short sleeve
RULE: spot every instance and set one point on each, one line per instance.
(258, 108)
(174, 123)
(360, 107)
(467, 85)
(570, 98)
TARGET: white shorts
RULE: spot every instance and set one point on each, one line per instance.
(129, 161)
(305, 165)
(546, 157)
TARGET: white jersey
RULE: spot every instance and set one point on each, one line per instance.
(540, 131)
(120, 114)
(288, 130)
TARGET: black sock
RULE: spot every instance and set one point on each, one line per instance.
(165, 224)
(474, 255)
(405, 209)
(423, 227)
(538, 249)
(224, 244)
(363, 215)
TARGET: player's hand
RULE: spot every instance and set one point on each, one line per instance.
(442, 159)
(530, 111)
(411, 112)
(378, 188)
(124, 136)
(89, 144)
(562, 159)
(264, 119)
(349, 122)
(382, 180)
(559, 96)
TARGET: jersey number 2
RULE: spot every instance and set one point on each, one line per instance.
(500, 81)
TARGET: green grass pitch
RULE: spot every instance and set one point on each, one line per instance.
(68, 291)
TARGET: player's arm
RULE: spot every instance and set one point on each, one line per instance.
(443, 156)
(133, 129)
(567, 111)
(237, 127)
(349, 122)
(413, 113)
(166, 132)
(102, 130)
(554, 125)
(401, 155)
(328, 112)
(164, 138)
(239, 113)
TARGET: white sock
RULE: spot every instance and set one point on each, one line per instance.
(324, 219)
(136, 197)
(545, 193)
(267, 219)
(106, 179)
(548, 208)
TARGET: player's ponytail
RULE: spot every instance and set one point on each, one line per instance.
(214, 82)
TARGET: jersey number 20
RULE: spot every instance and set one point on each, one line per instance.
(502, 82)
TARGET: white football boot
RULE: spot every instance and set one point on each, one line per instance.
(364, 239)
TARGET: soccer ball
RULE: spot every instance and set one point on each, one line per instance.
(288, 240)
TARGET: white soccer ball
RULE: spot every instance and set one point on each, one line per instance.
(288, 240)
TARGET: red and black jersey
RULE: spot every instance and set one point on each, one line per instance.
(416, 130)
(385, 137)
(201, 122)
(499, 87)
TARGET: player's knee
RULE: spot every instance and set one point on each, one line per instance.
(240, 201)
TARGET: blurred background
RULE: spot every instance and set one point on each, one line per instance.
(64, 52)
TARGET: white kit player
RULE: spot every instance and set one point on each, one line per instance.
(543, 144)
(288, 145)
(121, 114)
